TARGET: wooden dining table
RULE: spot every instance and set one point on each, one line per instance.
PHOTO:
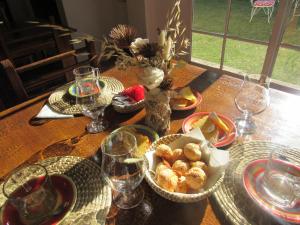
(24, 142)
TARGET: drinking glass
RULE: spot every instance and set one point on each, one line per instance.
(252, 98)
(88, 91)
(123, 168)
(31, 192)
(280, 184)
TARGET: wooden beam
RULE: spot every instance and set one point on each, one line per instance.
(45, 61)
(52, 75)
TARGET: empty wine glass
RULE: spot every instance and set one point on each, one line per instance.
(123, 169)
(88, 90)
(252, 98)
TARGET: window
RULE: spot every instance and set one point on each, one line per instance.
(224, 36)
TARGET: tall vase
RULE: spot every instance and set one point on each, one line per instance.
(158, 111)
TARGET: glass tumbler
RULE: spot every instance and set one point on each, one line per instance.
(31, 192)
(281, 181)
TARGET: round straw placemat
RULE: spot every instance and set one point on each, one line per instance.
(232, 197)
(61, 101)
(93, 194)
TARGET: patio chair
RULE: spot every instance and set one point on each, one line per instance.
(266, 5)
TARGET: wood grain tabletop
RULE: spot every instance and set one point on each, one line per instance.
(23, 142)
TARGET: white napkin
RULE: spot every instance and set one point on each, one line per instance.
(217, 159)
(47, 112)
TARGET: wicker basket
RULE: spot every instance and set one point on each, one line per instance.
(175, 196)
(129, 108)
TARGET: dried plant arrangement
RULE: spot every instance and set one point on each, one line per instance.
(171, 44)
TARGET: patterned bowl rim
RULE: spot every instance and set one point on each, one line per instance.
(129, 108)
(176, 196)
(151, 134)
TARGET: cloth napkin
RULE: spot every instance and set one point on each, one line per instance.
(47, 112)
(218, 159)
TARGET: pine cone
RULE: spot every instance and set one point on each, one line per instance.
(123, 35)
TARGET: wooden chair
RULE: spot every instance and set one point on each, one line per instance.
(36, 41)
(14, 86)
(12, 91)
(32, 42)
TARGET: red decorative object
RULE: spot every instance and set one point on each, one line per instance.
(135, 92)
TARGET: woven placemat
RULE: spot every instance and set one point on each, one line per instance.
(61, 101)
(93, 194)
(231, 195)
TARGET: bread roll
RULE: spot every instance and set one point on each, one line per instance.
(200, 165)
(192, 151)
(195, 178)
(167, 179)
(182, 186)
(180, 167)
(161, 166)
(178, 154)
(164, 151)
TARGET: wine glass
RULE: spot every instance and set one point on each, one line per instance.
(252, 98)
(123, 168)
(88, 90)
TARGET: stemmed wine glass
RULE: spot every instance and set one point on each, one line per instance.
(252, 98)
(123, 168)
(88, 90)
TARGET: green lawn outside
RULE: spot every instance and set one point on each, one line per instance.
(248, 57)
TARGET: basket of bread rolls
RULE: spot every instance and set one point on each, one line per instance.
(180, 170)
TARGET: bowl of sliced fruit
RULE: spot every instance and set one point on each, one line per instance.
(185, 99)
(144, 136)
(218, 129)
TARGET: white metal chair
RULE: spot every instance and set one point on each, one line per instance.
(266, 5)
